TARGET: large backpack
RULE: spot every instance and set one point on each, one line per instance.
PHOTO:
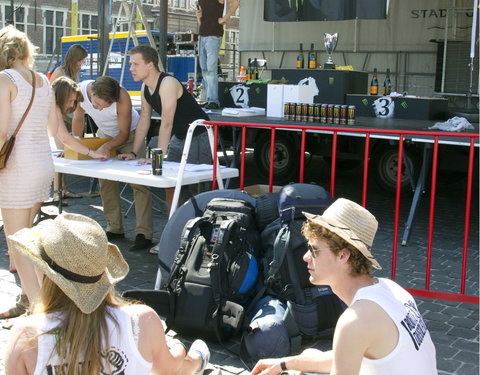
(215, 271)
(313, 310)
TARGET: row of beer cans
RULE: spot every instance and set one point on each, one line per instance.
(327, 113)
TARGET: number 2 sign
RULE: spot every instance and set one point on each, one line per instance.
(239, 95)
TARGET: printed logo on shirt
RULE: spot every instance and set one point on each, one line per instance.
(114, 363)
(414, 324)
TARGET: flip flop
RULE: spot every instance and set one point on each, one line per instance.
(71, 195)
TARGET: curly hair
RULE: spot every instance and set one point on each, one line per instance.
(360, 265)
(15, 46)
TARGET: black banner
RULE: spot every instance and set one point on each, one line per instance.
(323, 10)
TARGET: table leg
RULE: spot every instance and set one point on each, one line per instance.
(419, 190)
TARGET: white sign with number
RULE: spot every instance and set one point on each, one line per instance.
(240, 95)
(384, 107)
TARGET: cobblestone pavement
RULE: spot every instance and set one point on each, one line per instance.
(454, 326)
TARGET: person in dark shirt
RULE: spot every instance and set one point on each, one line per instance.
(211, 20)
(176, 106)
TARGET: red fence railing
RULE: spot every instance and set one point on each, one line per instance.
(469, 139)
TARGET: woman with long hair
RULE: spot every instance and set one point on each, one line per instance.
(25, 181)
(72, 63)
(79, 325)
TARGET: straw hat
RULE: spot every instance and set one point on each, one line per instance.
(351, 222)
(73, 251)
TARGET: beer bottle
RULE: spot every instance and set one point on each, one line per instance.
(374, 83)
(255, 69)
(312, 58)
(249, 69)
(387, 84)
(300, 58)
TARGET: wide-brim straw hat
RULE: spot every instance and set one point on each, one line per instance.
(351, 222)
(73, 252)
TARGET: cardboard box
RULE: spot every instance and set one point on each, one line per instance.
(257, 190)
(275, 100)
(92, 143)
(298, 94)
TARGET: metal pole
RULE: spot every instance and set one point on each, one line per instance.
(162, 40)
(11, 20)
(103, 29)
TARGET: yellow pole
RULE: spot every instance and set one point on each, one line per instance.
(74, 20)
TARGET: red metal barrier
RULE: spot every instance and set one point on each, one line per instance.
(461, 296)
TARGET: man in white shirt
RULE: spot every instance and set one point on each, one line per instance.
(381, 331)
(110, 106)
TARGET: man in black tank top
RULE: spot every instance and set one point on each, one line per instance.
(176, 106)
(211, 20)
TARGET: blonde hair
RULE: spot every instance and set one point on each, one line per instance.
(63, 87)
(74, 54)
(79, 337)
(15, 46)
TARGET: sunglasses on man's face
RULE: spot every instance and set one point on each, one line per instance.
(313, 252)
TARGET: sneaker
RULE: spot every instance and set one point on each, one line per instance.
(114, 236)
(140, 243)
(212, 105)
(200, 348)
(154, 250)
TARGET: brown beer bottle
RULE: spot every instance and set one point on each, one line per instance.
(300, 58)
(312, 58)
(374, 83)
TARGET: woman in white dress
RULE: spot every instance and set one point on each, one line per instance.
(25, 181)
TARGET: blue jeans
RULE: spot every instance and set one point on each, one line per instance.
(209, 47)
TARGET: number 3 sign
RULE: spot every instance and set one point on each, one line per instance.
(384, 107)
(240, 95)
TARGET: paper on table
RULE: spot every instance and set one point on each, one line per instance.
(243, 112)
(175, 165)
(90, 161)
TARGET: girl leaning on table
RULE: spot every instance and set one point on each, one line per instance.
(26, 180)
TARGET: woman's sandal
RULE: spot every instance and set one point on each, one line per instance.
(20, 308)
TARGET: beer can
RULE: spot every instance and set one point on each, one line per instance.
(330, 113)
(298, 112)
(286, 111)
(157, 161)
(293, 108)
(351, 115)
(304, 112)
(316, 113)
(323, 113)
(311, 113)
(343, 114)
(336, 114)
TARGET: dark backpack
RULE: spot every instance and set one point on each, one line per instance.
(215, 271)
(313, 309)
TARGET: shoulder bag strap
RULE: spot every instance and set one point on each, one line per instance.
(28, 108)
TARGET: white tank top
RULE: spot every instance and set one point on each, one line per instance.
(122, 357)
(106, 119)
(415, 352)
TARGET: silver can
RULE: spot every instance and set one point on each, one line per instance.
(157, 161)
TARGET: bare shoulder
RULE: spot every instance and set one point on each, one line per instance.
(169, 83)
(125, 98)
(361, 317)
(146, 314)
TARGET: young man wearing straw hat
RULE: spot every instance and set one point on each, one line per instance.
(382, 331)
(78, 316)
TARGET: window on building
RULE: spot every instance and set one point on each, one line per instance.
(88, 23)
(19, 17)
(54, 29)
